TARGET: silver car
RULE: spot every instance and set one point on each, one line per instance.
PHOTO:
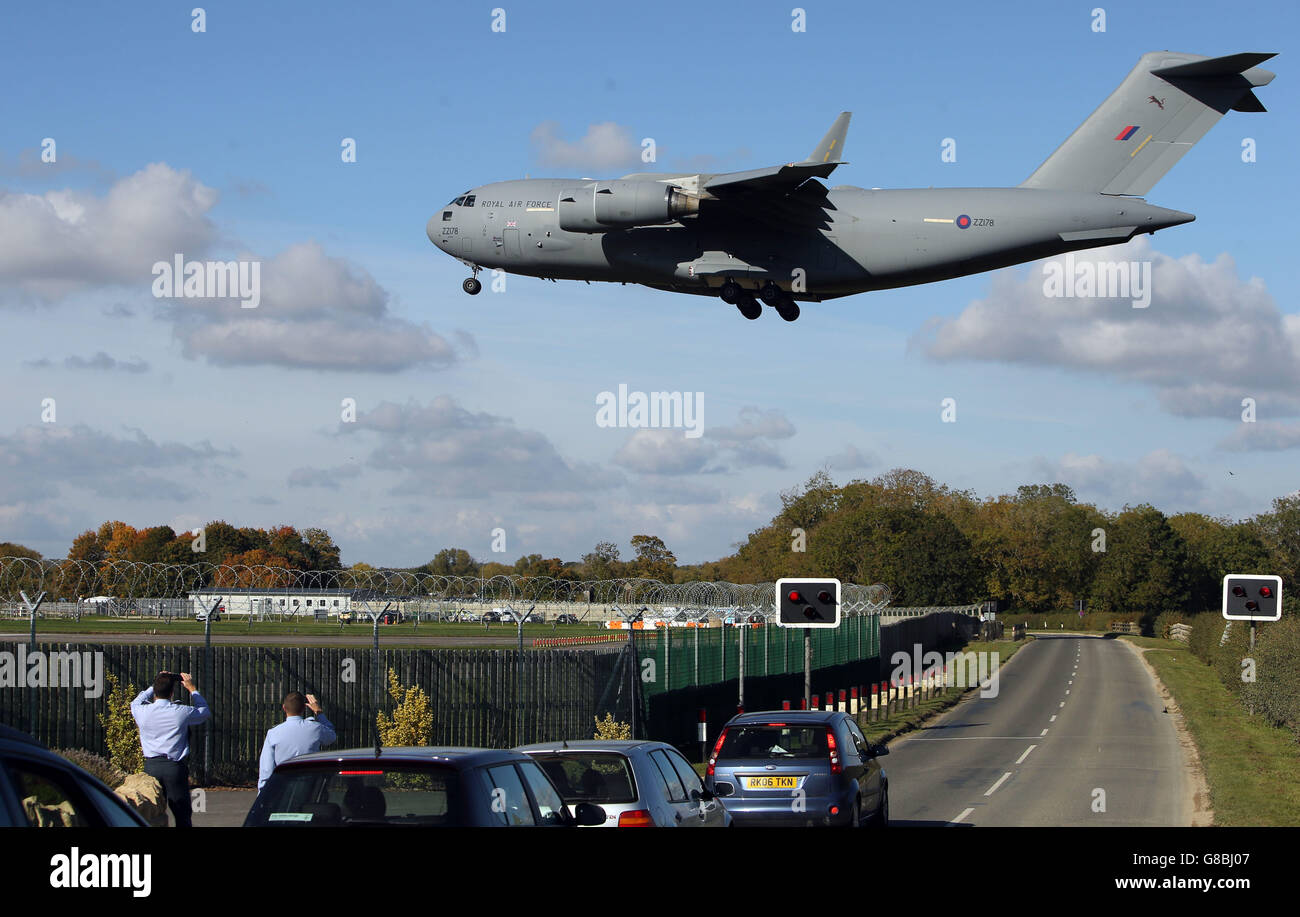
(639, 784)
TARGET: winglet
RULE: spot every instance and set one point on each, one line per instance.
(831, 149)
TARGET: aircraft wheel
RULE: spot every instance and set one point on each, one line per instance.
(749, 308)
(788, 310)
(471, 286)
(771, 294)
(730, 292)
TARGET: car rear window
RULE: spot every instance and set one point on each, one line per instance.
(361, 794)
(585, 777)
(775, 742)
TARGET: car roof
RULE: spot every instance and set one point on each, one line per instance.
(797, 717)
(619, 745)
(458, 756)
(10, 734)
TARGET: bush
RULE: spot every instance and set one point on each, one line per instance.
(610, 729)
(121, 734)
(98, 765)
(412, 720)
(1275, 693)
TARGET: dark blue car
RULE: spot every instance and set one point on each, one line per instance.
(799, 768)
(416, 787)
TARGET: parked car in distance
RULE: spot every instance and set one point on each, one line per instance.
(347, 617)
(639, 784)
(494, 616)
(416, 787)
(39, 789)
(763, 762)
(534, 618)
(469, 616)
(566, 618)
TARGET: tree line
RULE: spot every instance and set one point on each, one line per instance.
(1037, 550)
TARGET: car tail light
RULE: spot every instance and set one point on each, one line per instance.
(836, 766)
(717, 749)
(636, 818)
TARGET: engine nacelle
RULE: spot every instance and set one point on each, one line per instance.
(612, 205)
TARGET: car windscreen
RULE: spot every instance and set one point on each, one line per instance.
(768, 741)
(590, 777)
(334, 794)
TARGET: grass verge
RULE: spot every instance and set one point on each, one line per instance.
(1253, 770)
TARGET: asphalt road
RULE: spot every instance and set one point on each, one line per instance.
(1075, 717)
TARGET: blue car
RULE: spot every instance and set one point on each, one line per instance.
(415, 787)
(799, 769)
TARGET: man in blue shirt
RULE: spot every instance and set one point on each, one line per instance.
(165, 737)
(297, 735)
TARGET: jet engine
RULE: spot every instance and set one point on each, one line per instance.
(613, 205)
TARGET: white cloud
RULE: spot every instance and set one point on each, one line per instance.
(57, 242)
(1207, 340)
(605, 146)
(316, 312)
(1262, 436)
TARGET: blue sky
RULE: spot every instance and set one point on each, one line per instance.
(478, 412)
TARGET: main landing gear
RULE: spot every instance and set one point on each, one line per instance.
(472, 286)
(784, 304)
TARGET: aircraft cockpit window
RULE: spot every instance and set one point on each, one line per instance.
(469, 200)
(446, 215)
(458, 201)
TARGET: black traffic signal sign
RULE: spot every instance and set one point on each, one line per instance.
(1252, 598)
(808, 603)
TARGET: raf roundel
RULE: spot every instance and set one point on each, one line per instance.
(963, 222)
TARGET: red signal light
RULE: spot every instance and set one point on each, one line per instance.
(794, 596)
(1266, 591)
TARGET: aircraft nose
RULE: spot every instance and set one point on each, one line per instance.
(431, 228)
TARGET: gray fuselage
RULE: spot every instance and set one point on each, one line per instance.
(859, 240)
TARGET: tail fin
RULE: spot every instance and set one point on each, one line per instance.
(1167, 103)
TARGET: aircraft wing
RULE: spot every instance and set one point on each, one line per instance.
(820, 163)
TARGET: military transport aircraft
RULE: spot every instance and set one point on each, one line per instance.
(779, 235)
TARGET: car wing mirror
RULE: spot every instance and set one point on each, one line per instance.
(724, 789)
(879, 751)
(589, 814)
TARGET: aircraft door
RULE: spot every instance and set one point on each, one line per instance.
(510, 237)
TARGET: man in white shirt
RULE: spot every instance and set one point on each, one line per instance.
(297, 735)
(165, 737)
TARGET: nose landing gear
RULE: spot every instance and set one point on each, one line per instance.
(472, 286)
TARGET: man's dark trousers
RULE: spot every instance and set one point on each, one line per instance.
(175, 779)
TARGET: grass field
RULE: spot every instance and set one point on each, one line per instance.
(1253, 770)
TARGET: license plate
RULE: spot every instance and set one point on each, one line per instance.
(771, 783)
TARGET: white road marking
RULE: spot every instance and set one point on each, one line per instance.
(1067, 690)
(1021, 759)
(993, 789)
(964, 813)
(1062, 703)
(1044, 732)
(1053, 719)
